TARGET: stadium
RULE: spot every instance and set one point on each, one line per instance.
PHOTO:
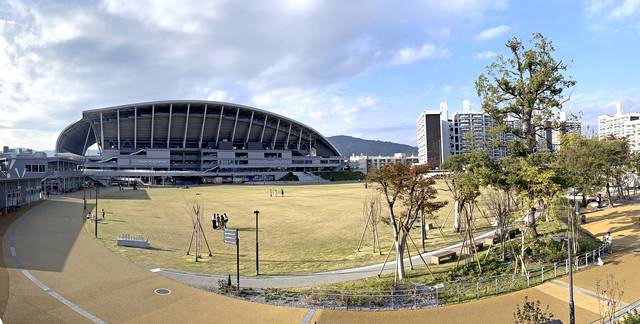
(196, 141)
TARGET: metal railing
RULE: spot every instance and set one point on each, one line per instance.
(420, 295)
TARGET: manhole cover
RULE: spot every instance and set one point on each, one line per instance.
(162, 291)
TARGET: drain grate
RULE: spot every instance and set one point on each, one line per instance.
(162, 291)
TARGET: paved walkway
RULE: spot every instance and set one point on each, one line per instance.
(58, 261)
(63, 274)
(303, 280)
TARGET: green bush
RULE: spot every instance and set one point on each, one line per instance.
(341, 175)
(289, 177)
(632, 317)
(491, 265)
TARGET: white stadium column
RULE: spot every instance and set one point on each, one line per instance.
(186, 126)
(153, 116)
(169, 127)
(264, 125)
(275, 137)
(118, 122)
(286, 146)
(233, 134)
(135, 128)
(204, 119)
(101, 131)
(219, 125)
(246, 140)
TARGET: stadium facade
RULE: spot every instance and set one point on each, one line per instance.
(213, 141)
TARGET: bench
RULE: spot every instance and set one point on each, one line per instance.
(137, 241)
(437, 258)
(468, 248)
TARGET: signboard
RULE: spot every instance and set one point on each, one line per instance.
(231, 236)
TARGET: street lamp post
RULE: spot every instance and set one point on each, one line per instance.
(571, 221)
(257, 212)
(96, 219)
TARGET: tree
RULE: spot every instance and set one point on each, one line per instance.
(532, 313)
(498, 204)
(467, 172)
(609, 298)
(579, 158)
(613, 156)
(527, 87)
(408, 193)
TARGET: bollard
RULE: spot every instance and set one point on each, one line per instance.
(497, 289)
(542, 272)
(477, 289)
(555, 269)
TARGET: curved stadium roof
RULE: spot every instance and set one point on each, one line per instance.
(189, 124)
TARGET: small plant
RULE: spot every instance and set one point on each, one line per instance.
(531, 313)
(632, 317)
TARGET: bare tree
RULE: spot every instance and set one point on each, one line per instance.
(609, 298)
(408, 193)
(498, 203)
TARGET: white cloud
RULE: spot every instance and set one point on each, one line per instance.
(485, 55)
(492, 33)
(58, 59)
(410, 55)
(627, 9)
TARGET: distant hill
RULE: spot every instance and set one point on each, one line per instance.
(348, 145)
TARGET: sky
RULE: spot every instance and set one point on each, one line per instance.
(362, 68)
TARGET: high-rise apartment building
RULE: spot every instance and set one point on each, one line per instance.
(621, 125)
(440, 135)
(433, 137)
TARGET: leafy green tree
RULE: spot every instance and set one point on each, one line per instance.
(614, 156)
(579, 158)
(408, 193)
(529, 87)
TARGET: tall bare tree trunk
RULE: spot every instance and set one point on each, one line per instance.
(608, 186)
(457, 207)
(400, 246)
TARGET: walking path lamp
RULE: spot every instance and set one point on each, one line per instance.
(96, 219)
(257, 212)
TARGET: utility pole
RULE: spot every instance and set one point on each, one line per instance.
(257, 212)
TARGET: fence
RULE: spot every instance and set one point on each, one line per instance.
(418, 296)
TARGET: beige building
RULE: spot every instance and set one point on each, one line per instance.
(365, 163)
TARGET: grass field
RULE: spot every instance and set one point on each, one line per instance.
(313, 228)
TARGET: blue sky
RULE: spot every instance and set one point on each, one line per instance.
(361, 68)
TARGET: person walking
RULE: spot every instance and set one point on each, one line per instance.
(282, 192)
(609, 242)
(103, 213)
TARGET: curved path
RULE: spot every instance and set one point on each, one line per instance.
(302, 280)
(62, 274)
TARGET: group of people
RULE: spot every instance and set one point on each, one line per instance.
(275, 192)
(219, 221)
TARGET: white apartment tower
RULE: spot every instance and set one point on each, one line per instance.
(621, 125)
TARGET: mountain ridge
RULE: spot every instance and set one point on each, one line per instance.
(349, 145)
